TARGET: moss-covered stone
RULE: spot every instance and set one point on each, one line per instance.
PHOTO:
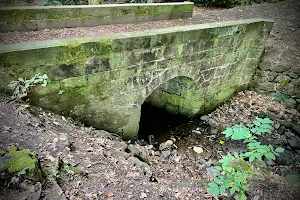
(41, 17)
(103, 81)
(24, 160)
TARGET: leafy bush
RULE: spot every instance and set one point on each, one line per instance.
(235, 170)
(226, 3)
(22, 86)
(58, 2)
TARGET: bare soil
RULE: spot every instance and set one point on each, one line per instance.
(97, 163)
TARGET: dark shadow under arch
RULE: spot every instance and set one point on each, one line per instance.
(168, 105)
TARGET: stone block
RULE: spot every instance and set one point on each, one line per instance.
(77, 22)
(106, 79)
(60, 23)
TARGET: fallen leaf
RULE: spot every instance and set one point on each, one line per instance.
(109, 194)
(60, 192)
(17, 124)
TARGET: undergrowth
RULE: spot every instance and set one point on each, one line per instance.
(236, 169)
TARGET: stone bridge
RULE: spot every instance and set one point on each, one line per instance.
(187, 70)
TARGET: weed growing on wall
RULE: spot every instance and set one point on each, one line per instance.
(22, 86)
(236, 169)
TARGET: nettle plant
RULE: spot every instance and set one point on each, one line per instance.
(236, 169)
(22, 86)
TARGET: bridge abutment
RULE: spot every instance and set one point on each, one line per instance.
(105, 80)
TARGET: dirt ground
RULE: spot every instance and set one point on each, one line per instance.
(96, 162)
(98, 166)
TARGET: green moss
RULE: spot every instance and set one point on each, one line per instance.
(74, 53)
(80, 50)
(77, 170)
(20, 159)
(142, 11)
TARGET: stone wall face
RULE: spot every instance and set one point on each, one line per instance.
(280, 80)
(107, 79)
(41, 17)
(179, 95)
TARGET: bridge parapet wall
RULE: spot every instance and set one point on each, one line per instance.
(106, 79)
(32, 18)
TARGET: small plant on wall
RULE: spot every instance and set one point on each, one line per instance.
(236, 169)
(22, 86)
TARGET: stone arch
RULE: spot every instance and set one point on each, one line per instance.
(177, 95)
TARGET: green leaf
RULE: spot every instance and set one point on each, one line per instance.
(241, 196)
(256, 122)
(268, 155)
(232, 190)
(279, 150)
(215, 170)
(229, 176)
(218, 181)
(236, 155)
(247, 154)
(258, 156)
(272, 156)
(213, 191)
(228, 132)
(267, 126)
(222, 189)
(236, 188)
(213, 184)
(267, 121)
(269, 131)
(245, 187)
(271, 147)
(251, 158)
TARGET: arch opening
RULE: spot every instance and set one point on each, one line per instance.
(171, 104)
